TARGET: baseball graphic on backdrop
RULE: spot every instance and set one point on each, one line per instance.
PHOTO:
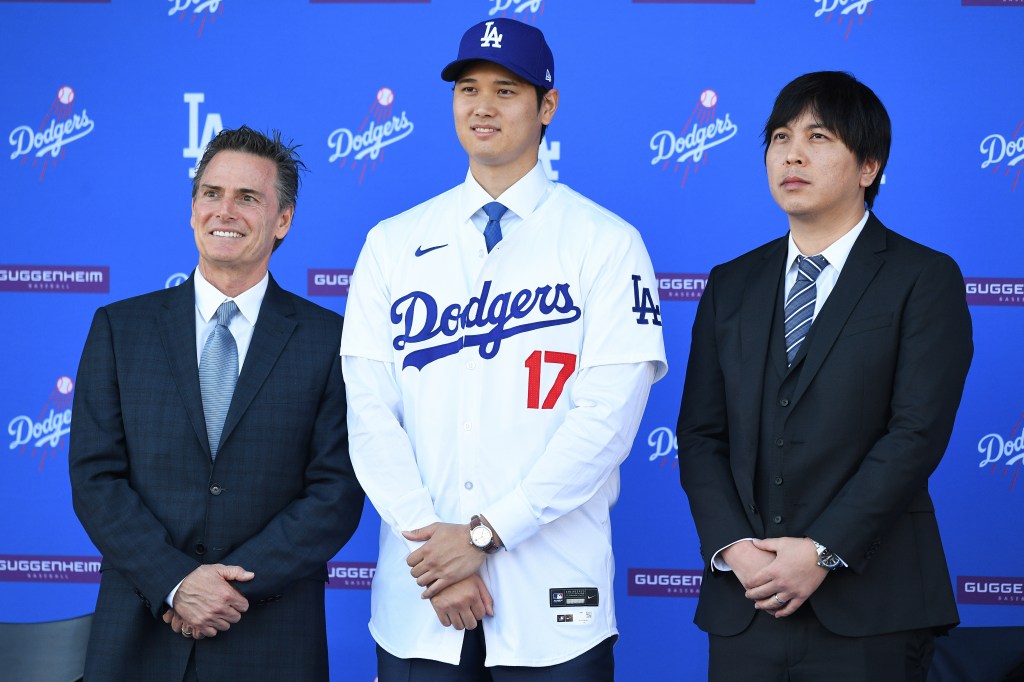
(65, 385)
(708, 98)
(66, 95)
(385, 97)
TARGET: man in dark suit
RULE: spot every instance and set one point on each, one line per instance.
(825, 372)
(209, 454)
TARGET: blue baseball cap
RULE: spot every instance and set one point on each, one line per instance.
(518, 47)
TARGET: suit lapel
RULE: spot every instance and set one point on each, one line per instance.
(760, 297)
(273, 328)
(860, 268)
(178, 334)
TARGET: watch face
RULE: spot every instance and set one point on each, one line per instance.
(481, 536)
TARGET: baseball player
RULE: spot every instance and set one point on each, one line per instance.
(500, 343)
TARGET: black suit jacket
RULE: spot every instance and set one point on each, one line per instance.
(863, 426)
(280, 500)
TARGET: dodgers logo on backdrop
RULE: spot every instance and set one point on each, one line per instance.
(202, 9)
(1003, 456)
(703, 130)
(846, 12)
(175, 279)
(664, 446)
(499, 316)
(212, 124)
(1004, 153)
(519, 8)
(380, 128)
(44, 435)
(61, 126)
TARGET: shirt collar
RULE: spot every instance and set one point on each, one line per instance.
(522, 198)
(209, 298)
(836, 253)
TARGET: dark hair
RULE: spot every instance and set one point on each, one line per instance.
(846, 107)
(245, 139)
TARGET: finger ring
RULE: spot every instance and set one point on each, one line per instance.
(779, 600)
(186, 635)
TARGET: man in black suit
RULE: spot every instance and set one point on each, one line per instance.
(209, 454)
(825, 372)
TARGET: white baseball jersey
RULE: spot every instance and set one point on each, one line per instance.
(509, 384)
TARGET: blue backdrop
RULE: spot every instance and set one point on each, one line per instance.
(107, 104)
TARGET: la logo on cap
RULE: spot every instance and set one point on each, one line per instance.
(491, 36)
(547, 75)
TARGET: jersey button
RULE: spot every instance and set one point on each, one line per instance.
(468, 485)
(471, 365)
(467, 427)
(481, 253)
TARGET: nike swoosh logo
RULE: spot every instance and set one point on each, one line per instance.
(420, 250)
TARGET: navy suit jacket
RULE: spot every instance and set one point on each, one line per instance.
(280, 500)
(864, 425)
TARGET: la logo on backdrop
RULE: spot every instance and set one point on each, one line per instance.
(47, 143)
(44, 435)
(212, 124)
(202, 11)
(688, 149)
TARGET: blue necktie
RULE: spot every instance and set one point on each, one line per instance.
(799, 310)
(218, 373)
(492, 233)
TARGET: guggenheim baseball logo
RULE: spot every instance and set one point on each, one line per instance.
(46, 143)
(363, 148)
(972, 589)
(66, 279)
(327, 282)
(994, 290)
(19, 568)
(664, 582)
(1004, 153)
(46, 433)
(688, 148)
(350, 575)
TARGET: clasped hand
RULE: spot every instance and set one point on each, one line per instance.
(207, 603)
(779, 574)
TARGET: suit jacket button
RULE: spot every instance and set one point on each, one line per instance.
(200, 549)
(216, 489)
(778, 480)
(777, 519)
(784, 402)
(780, 442)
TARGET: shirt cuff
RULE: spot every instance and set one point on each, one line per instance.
(720, 564)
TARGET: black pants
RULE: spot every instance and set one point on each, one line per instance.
(594, 665)
(798, 648)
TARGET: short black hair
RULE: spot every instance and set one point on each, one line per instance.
(245, 139)
(843, 105)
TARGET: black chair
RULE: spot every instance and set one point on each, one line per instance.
(44, 652)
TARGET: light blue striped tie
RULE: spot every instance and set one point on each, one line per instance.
(800, 304)
(218, 374)
(492, 232)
